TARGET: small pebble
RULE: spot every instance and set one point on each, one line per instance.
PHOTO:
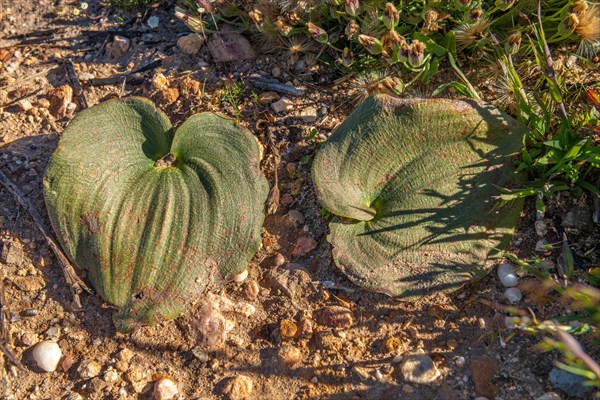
(378, 374)
(419, 368)
(506, 273)
(165, 389)
(281, 105)
(89, 369)
(513, 294)
(549, 396)
(287, 329)
(47, 355)
(238, 387)
(241, 277)
(540, 246)
(459, 361)
(290, 356)
(541, 228)
(111, 376)
(190, 44)
(279, 260)
(337, 317)
(251, 289)
(397, 359)
(295, 217)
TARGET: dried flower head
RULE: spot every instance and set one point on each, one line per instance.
(347, 57)
(373, 45)
(417, 53)
(513, 43)
(390, 16)
(352, 7)
(431, 16)
(352, 29)
(319, 34)
(295, 46)
(370, 83)
(257, 17)
(282, 26)
(392, 41)
(468, 34)
(578, 6)
(588, 31)
(476, 13)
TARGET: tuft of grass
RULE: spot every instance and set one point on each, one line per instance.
(132, 5)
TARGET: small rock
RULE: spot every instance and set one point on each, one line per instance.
(111, 376)
(540, 228)
(363, 373)
(569, 383)
(53, 332)
(190, 44)
(305, 328)
(43, 103)
(304, 245)
(118, 47)
(513, 294)
(268, 97)
(29, 338)
(279, 260)
(170, 95)
(165, 389)
(295, 217)
(282, 105)
(47, 355)
(483, 370)
(66, 363)
(378, 374)
(159, 81)
(59, 99)
(251, 289)
(459, 361)
(506, 273)
(419, 368)
(241, 277)
(290, 356)
(540, 246)
(238, 387)
(200, 354)
(397, 359)
(227, 45)
(286, 200)
(392, 344)
(276, 72)
(89, 369)
(287, 329)
(29, 283)
(337, 317)
(549, 396)
(125, 355)
(12, 253)
(86, 76)
(308, 114)
(25, 105)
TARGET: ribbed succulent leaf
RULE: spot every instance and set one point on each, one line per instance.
(155, 218)
(411, 183)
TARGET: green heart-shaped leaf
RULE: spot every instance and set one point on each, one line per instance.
(412, 181)
(156, 218)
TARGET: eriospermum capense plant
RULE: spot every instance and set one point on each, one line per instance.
(412, 186)
(155, 217)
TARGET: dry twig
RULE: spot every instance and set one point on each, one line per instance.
(75, 283)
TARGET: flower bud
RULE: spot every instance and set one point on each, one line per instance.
(319, 34)
(390, 16)
(352, 7)
(394, 85)
(513, 43)
(347, 57)
(392, 42)
(431, 16)
(578, 6)
(572, 21)
(256, 17)
(373, 45)
(352, 29)
(476, 13)
(416, 54)
(283, 27)
(403, 53)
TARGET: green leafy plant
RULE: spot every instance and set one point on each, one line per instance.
(411, 185)
(155, 217)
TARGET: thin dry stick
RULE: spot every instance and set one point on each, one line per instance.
(75, 283)
(5, 336)
(74, 81)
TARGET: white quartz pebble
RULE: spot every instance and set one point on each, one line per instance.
(47, 355)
